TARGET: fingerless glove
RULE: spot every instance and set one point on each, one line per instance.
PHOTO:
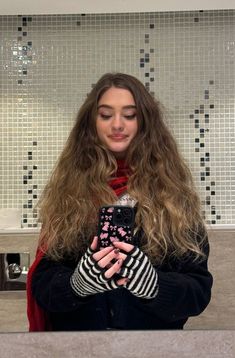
(88, 278)
(141, 274)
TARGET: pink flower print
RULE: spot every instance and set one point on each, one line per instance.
(103, 235)
(121, 231)
(110, 210)
(106, 226)
(112, 239)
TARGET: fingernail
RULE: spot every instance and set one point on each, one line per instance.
(116, 251)
(119, 262)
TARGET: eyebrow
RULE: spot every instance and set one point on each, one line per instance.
(130, 106)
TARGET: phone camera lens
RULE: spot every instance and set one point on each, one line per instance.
(126, 221)
(126, 212)
(118, 216)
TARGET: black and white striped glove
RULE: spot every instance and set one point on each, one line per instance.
(141, 274)
(88, 278)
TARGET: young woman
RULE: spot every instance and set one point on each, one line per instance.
(119, 151)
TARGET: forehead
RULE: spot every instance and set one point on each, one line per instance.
(117, 96)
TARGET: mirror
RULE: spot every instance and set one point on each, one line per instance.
(49, 64)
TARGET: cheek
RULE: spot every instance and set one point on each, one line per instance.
(100, 128)
(134, 128)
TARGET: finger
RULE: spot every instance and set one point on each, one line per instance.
(99, 254)
(122, 281)
(122, 256)
(94, 243)
(108, 258)
(123, 246)
(114, 269)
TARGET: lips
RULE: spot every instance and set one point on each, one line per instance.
(118, 137)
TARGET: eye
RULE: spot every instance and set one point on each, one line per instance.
(105, 116)
(130, 116)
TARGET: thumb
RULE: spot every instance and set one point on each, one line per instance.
(94, 243)
(122, 281)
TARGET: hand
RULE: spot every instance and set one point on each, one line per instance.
(140, 272)
(94, 272)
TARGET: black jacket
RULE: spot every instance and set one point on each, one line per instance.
(184, 291)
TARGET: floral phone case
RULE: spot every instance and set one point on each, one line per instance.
(116, 223)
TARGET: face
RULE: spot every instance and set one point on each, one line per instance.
(116, 121)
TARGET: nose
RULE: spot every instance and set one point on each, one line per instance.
(117, 123)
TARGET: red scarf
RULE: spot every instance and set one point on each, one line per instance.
(37, 317)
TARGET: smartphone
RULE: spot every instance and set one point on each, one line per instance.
(116, 223)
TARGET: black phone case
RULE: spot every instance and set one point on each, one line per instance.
(116, 223)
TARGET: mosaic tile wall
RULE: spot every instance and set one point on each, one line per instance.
(49, 63)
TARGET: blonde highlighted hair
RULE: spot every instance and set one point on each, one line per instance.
(168, 211)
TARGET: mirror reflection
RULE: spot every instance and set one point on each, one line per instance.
(122, 194)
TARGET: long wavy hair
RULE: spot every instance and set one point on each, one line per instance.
(168, 210)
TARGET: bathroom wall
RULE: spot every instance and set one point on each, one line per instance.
(49, 63)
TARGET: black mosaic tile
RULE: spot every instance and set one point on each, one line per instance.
(24, 33)
(151, 26)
